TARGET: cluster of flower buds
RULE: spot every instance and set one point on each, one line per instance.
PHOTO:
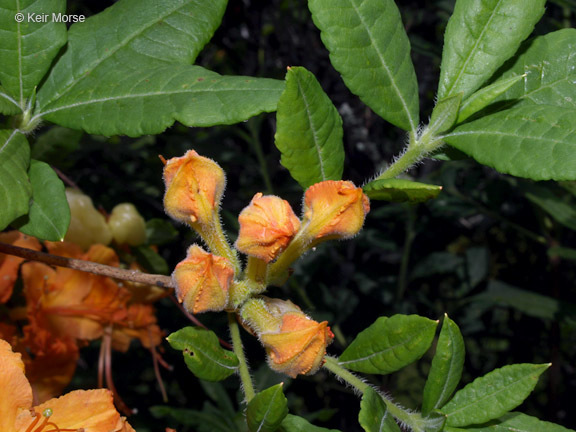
(272, 237)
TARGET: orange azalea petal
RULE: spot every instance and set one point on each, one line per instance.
(65, 249)
(9, 264)
(16, 391)
(139, 323)
(194, 187)
(88, 410)
(335, 209)
(266, 227)
(52, 363)
(202, 281)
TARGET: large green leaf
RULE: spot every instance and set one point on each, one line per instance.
(49, 214)
(131, 35)
(267, 409)
(492, 395)
(369, 47)
(28, 47)
(203, 354)
(550, 67)
(389, 344)
(514, 422)
(447, 366)
(535, 141)
(309, 130)
(481, 35)
(146, 101)
(400, 190)
(294, 423)
(374, 416)
(15, 188)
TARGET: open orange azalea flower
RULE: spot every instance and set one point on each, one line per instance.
(9, 264)
(72, 303)
(77, 411)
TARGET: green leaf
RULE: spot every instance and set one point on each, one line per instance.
(444, 115)
(374, 416)
(398, 190)
(146, 101)
(446, 369)
(309, 130)
(8, 105)
(369, 47)
(55, 144)
(536, 142)
(267, 409)
(151, 260)
(389, 344)
(562, 252)
(210, 419)
(515, 422)
(292, 423)
(527, 302)
(483, 97)
(131, 35)
(160, 231)
(203, 354)
(49, 214)
(550, 68)
(556, 206)
(492, 395)
(28, 47)
(15, 188)
(481, 35)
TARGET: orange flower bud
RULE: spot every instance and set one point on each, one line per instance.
(194, 187)
(202, 281)
(294, 343)
(266, 227)
(334, 210)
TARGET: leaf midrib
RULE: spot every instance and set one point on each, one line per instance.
(143, 95)
(472, 50)
(386, 68)
(312, 128)
(491, 395)
(100, 60)
(391, 348)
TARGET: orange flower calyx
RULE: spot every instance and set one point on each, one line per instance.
(267, 226)
(80, 410)
(194, 187)
(295, 344)
(334, 210)
(203, 280)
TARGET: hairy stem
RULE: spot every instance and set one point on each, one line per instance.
(245, 377)
(88, 266)
(413, 420)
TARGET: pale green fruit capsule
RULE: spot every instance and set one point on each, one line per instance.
(87, 225)
(127, 225)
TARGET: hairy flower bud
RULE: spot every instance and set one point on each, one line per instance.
(334, 210)
(294, 343)
(194, 187)
(203, 280)
(266, 227)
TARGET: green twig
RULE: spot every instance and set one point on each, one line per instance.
(413, 420)
(245, 377)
